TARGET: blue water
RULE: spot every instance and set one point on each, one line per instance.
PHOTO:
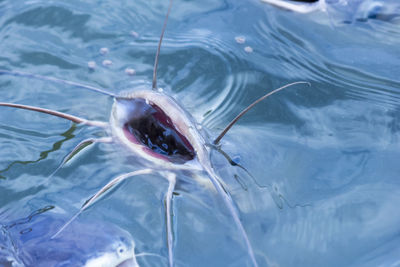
(324, 188)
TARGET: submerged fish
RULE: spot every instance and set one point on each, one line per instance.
(27, 242)
(344, 10)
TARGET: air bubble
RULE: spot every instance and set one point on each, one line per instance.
(130, 71)
(91, 65)
(104, 50)
(134, 34)
(248, 49)
(107, 62)
(240, 39)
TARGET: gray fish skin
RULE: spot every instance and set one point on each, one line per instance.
(346, 10)
(8, 254)
(82, 244)
(351, 10)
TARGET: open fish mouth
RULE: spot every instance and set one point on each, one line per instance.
(151, 127)
(154, 126)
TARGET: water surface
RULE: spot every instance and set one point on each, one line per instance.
(324, 188)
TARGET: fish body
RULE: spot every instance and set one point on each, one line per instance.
(83, 244)
(345, 10)
(137, 115)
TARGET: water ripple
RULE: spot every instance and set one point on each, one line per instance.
(322, 161)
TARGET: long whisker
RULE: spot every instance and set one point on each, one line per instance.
(159, 47)
(216, 141)
(57, 114)
(232, 209)
(56, 80)
(233, 163)
(171, 177)
(99, 193)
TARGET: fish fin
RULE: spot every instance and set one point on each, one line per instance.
(216, 141)
(84, 144)
(99, 193)
(78, 148)
(56, 80)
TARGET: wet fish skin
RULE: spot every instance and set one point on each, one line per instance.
(345, 10)
(83, 244)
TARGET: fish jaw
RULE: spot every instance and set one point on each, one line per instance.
(119, 256)
(181, 120)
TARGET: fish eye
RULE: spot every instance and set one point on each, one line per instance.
(150, 126)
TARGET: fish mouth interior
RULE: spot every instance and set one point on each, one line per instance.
(151, 127)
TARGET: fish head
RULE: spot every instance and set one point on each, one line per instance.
(154, 126)
(82, 244)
